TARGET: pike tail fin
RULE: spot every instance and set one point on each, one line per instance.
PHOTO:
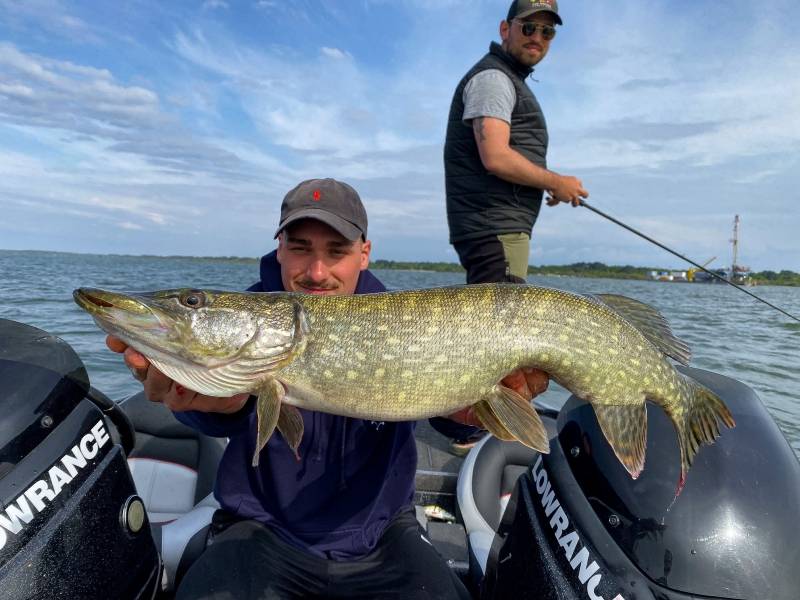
(698, 423)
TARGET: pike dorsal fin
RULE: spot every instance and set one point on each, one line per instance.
(650, 322)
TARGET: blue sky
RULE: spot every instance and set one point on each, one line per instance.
(151, 127)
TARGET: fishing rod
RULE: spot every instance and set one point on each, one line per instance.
(682, 257)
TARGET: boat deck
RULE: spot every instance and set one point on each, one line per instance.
(437, 469)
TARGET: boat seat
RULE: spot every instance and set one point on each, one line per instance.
(485, 483)
(174, 468)
(182, 540)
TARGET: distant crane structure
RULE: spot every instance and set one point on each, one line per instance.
(690, 274)
(739, 273)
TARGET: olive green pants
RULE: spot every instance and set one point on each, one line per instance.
(495, 258)
(516, 247)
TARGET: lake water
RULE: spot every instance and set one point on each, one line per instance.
(729, 332)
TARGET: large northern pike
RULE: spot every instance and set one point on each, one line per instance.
(414, 354)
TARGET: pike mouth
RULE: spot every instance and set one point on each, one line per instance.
(98, 301)
(92, 299)
(119, 314)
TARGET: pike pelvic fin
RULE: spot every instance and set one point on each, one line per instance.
(625, 428)
(650, 322)
(491, 423)
(518, 418)
(290, 424)
(268, 409)
(698, 423)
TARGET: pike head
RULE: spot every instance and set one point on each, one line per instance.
(216, 343)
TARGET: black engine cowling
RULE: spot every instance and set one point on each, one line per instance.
(579, 527)
(70, 525)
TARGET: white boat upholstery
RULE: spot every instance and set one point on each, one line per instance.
(167, 488)
(479, 532)
(182, 540)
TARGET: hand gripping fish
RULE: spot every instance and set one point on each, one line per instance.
(414, 354)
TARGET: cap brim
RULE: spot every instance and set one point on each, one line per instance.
(528, 13)
(346, 228)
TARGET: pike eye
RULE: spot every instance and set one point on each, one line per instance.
(193, 299)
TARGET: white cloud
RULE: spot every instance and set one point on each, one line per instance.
(49, 15)
(307, 104)
(15, 90)
(677, 78)
(126, 204)
(60, 93)
(130, 226)
(335, 53)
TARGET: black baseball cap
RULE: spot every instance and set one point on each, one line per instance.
(520, 9)
(327, 200)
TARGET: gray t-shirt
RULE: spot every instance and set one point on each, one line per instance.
(489, 93)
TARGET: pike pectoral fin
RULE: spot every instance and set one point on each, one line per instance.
(518, 417)
(268, 409)
(491, 422)
(290, 424)
(625, 428)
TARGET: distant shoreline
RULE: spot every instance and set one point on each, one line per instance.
(594, 269)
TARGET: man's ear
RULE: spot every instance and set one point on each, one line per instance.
(366, 248)
(281, 247)
(505, 29)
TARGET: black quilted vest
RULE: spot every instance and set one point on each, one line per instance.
(478, 203)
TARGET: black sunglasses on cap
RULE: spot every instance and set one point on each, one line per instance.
(529, 28)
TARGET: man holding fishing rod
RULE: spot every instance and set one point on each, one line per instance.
(339, 521)
(496, 148)
(495, 162)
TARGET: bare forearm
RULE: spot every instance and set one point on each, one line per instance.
(510, 165)
(499, 158)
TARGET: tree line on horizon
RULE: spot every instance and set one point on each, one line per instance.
(579, 269)
(583, 269)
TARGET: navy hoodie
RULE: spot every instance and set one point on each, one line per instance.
(353, 476)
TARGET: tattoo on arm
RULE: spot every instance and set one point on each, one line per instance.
(478, 127)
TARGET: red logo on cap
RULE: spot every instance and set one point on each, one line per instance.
(317, 195)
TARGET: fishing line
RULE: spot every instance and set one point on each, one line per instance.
(682, 257)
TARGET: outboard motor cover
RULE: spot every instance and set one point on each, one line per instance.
(70, 525)
(578, 526)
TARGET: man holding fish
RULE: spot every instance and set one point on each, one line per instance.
(331, 512)
(383, 359)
